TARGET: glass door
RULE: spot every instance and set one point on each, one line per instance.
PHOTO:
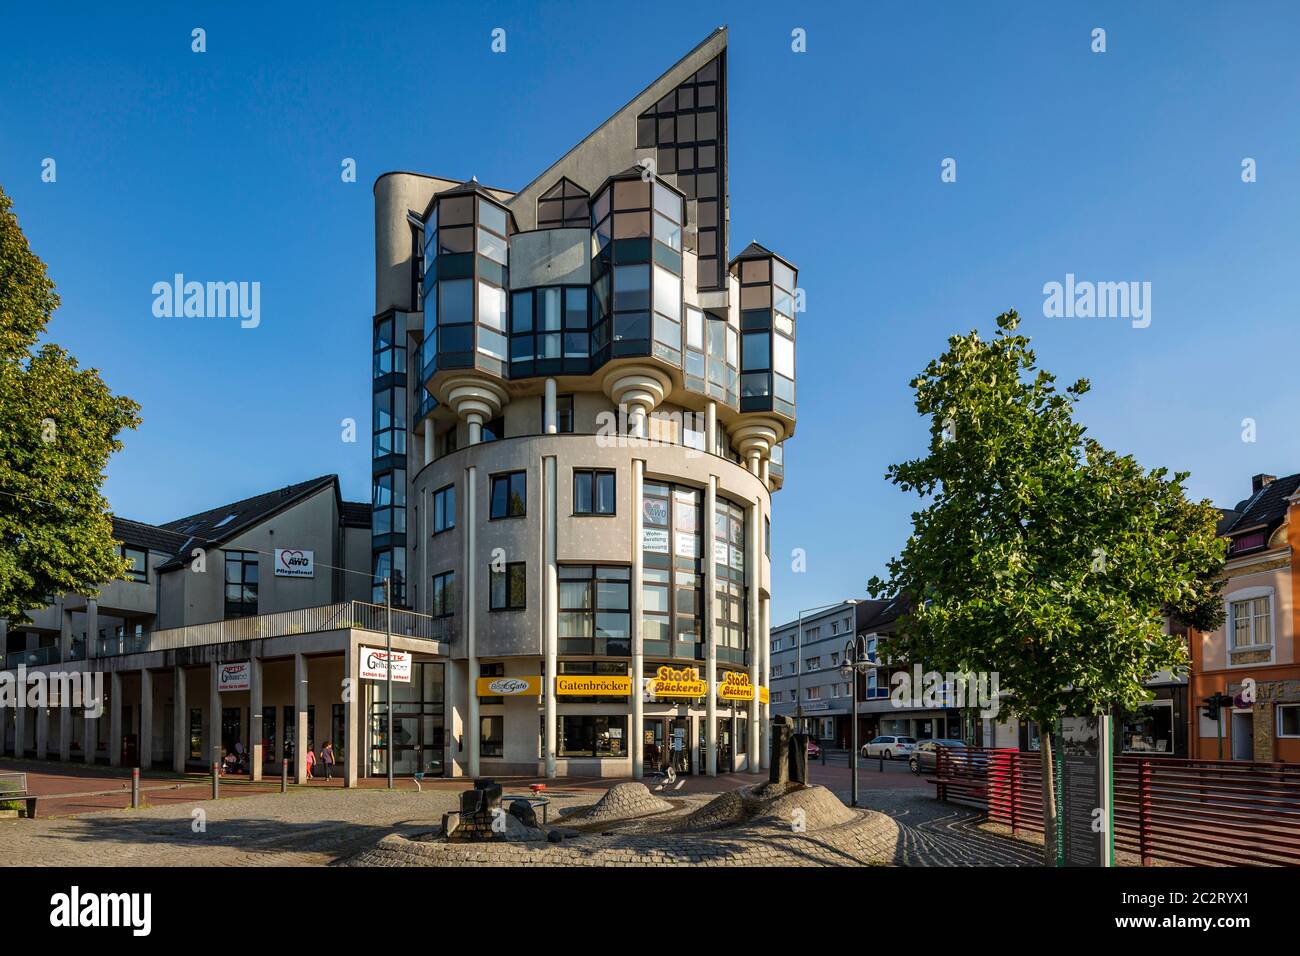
(655, 745)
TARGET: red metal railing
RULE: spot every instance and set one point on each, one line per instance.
(1176, 810)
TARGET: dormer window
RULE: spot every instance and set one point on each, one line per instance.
(1248, 542)
(563, 206)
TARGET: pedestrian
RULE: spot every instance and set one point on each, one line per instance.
(327, 757)
(311, 761)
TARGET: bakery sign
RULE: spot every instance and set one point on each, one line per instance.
(293, 563)
(735, 685)
(677, 683)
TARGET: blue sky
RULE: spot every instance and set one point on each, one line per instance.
(1123, 165)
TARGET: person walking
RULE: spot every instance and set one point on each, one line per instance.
(311, 761)
(327, 758)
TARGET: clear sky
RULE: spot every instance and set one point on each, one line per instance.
(1117, 166)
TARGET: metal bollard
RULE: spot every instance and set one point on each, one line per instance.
(216, 781)
(135, 788)
(882, 763)
(284, 775)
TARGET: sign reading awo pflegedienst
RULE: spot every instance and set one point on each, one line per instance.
(294, 563)
(1084, 811)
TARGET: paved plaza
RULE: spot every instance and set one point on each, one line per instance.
(320, 824)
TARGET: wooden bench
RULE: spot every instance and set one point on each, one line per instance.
(13, 786)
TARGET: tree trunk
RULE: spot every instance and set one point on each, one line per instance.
(1049, 798)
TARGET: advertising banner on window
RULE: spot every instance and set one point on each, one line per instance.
(654, 540)
(293, 563)
(235, 676)
(374, 665)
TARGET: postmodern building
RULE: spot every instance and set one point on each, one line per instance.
(1253, 657)
(237, 625)
(579, 405)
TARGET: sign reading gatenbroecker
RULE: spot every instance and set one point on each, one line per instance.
(671, 682)
(735, 685)
(509, 686)
(587, 685)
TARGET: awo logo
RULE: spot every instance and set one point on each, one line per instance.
(75, 909)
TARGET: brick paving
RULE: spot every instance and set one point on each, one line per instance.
(319, 823)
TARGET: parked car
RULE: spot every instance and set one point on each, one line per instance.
(925, 757)
(889, 746)
(814, 750)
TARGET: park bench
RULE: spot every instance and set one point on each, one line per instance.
(13, 786)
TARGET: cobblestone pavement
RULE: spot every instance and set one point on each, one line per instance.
(313, 827)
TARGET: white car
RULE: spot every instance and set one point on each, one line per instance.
(889, 747)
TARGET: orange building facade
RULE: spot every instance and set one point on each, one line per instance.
(1254, 657)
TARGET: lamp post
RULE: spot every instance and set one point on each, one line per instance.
(798, 660)
(856, 661)
(388, 675)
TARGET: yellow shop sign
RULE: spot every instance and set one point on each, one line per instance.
(735, 685)
(510, 686)
(763, 695)
(680, 684)
(587, 685)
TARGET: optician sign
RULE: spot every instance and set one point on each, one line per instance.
(509, 686)
(374, 665)
(677, 684)
(588, 685)
(293, 563)
(735, 685)
(235, 676)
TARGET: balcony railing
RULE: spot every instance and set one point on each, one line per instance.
(33, 658)
(330, 617)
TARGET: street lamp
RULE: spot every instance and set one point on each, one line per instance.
(856, 661)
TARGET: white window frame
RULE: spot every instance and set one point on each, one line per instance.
(1230, 626)
(1280, 708)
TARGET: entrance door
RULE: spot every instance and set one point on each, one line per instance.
(679, 744)
(1243, 736)
(655, 745)
(230, 729)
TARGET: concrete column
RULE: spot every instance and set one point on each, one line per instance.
(711, 616)
(765, 712)
(214, 714)
(471, 620)
(92, 628)
(753, 569)
(711, 431)
(300, 719)
(20, 724)
(180, 721)
(751, 462)
(475, 423)
(351, 739)
(637, 730)
(456, 692)
(115, 720)
(145, 748)
(65, 730)
(551, 606)
(65, 633)
(548, 408)
(89, 733)
(42, 716)
(764, 472)
(428, 440)
(256, 723)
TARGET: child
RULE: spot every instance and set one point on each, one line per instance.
(311, 762)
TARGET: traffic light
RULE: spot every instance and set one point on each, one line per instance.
(1211, 709)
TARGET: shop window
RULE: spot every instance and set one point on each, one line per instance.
(1288, 720)
(589, 735)
(492, 733)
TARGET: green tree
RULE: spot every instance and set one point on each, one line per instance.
(58, 426)
(1039, 554)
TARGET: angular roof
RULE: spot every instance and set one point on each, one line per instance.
(147, 536)
(1265, 509)
(218, 525)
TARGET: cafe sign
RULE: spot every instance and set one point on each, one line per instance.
(680, 684)
(589, 685)
(509, 686)
(735, 685)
